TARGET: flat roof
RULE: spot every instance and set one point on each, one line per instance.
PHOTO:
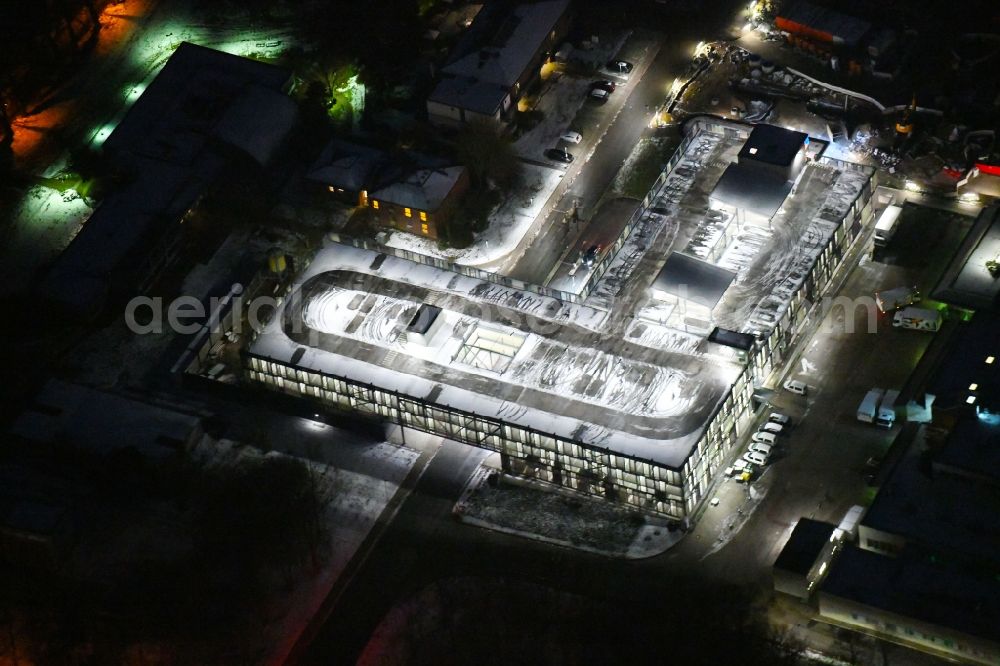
(965, 364)
(937, 512)
(848, 29)
(757, 191)
(938, 594)
(804, 545)
(103, 422)
(723, 336)
(692, 279)
(966, 282)
(772, 145)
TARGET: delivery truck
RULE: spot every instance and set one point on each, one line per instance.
(868, 409)
(893, 299)
(885, 228)
(918, 319)
(887, 410)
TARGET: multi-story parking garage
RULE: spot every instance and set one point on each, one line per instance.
(610, 396)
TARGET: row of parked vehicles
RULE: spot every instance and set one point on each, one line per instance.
(600, 91)
(763, 441)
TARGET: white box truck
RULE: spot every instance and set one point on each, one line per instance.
(887, 410)
(868, 409)
(885, 228)
(918, 319)
(899, 297)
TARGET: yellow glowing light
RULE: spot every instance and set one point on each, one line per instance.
(375, 204)
(407, 212)
(973, 386)
(423, 216)
(989, 360)
(424, 229)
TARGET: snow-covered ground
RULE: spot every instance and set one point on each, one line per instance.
(508, 223)
(517, 507)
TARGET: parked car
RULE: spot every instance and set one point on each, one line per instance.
(600, 94)
(559, 155)
(773, 428)
(622, 67)
(610, 86)
(779, 418)
(755, 458)
(795, 386)
(760, 447)
(764, 438)
(571, 137)
(590, 255)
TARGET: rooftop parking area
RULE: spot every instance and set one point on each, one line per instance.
(616, 371)
(515, 359)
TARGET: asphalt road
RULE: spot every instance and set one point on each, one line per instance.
(537, 261)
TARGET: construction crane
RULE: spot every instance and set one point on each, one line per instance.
(905, 124)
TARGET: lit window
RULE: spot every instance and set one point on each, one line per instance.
(407, 212)
(989, 360)
(973, 386)
(423, 216)
(971, 399)
(753, 151)
(331, 188)
(423, 229)
(375, 204)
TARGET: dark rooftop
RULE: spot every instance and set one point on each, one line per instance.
(723, 336)
(693, 279)
(936, 594)
(804, 546)
(966, 282)
(752, 189)
(773, 145)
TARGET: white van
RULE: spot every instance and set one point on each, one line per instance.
(918, 319)
(795, 386)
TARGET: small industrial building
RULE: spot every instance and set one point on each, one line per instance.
(967, 281)
(915, 601)
(775, 149)
(821, 24)
(694, 287)
(757, 184)
(804, 558)
(496, 60)
(208, 117)
(101, 422)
